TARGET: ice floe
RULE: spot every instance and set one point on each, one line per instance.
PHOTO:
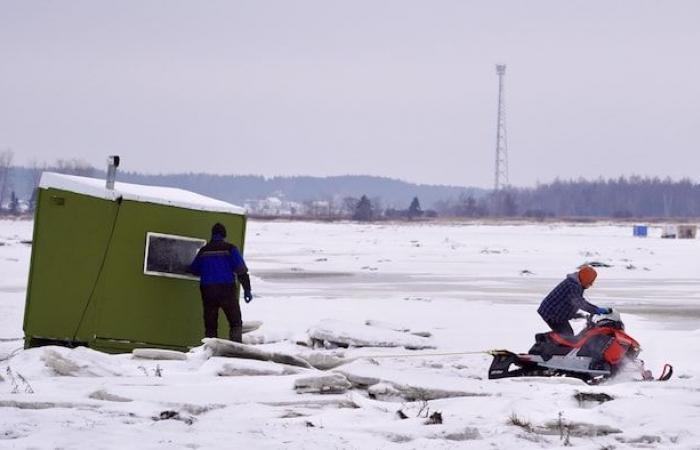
(345, 334)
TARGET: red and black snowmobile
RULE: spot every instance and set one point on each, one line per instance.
(597, 353)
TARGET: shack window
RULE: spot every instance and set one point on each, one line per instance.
(168, 255)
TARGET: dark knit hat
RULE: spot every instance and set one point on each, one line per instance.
(218, 229)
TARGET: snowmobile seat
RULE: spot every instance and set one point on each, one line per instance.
(546, 347)
(571, 339)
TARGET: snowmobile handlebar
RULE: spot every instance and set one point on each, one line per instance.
(589, 317)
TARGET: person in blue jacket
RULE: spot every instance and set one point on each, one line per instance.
(219, 264)
(566, 299)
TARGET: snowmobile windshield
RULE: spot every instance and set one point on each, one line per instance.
(612, 319)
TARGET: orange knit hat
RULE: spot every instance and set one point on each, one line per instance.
(587, 275)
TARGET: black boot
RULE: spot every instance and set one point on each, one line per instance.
(236, 334)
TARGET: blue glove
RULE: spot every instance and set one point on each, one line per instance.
(603, 310)
(248, 296)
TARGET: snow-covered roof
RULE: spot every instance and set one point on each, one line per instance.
(95, 187)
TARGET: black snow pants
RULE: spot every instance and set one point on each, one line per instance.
(561, 327)
(222, 296)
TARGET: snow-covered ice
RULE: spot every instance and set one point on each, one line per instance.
(332, 332)
(470, 287)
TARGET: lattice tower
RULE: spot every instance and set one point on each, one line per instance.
(501, 176)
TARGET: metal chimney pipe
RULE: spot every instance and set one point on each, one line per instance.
(112, 164)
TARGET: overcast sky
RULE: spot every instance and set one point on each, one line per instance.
(405, 89)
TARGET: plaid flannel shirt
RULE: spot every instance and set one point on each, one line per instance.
(564, 301)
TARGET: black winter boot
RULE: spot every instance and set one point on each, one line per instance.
(236, 334)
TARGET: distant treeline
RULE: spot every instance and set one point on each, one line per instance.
(241, 188)
(618, 198)
(633, 197)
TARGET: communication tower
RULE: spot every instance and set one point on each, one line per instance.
(501, 178)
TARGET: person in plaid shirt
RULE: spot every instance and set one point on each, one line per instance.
(565, 300)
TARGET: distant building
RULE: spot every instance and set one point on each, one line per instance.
(640, 230)
(273, 206)
(669, 232)
(679, 231)
(318, 208)
(687, 231)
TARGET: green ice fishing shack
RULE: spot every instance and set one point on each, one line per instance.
(109, 264)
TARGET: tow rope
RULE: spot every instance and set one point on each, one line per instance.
(98, 276)
(408, 355)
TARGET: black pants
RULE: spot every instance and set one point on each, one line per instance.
(222, 296)
(561, 327)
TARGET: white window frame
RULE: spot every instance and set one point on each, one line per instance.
(150, 234)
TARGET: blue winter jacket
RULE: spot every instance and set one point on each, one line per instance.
(218, 262)
(564, 301)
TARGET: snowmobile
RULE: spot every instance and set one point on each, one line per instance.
(597, 353)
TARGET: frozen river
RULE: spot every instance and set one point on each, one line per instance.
(472, 287)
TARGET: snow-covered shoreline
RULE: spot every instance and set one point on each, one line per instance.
(471, 287)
